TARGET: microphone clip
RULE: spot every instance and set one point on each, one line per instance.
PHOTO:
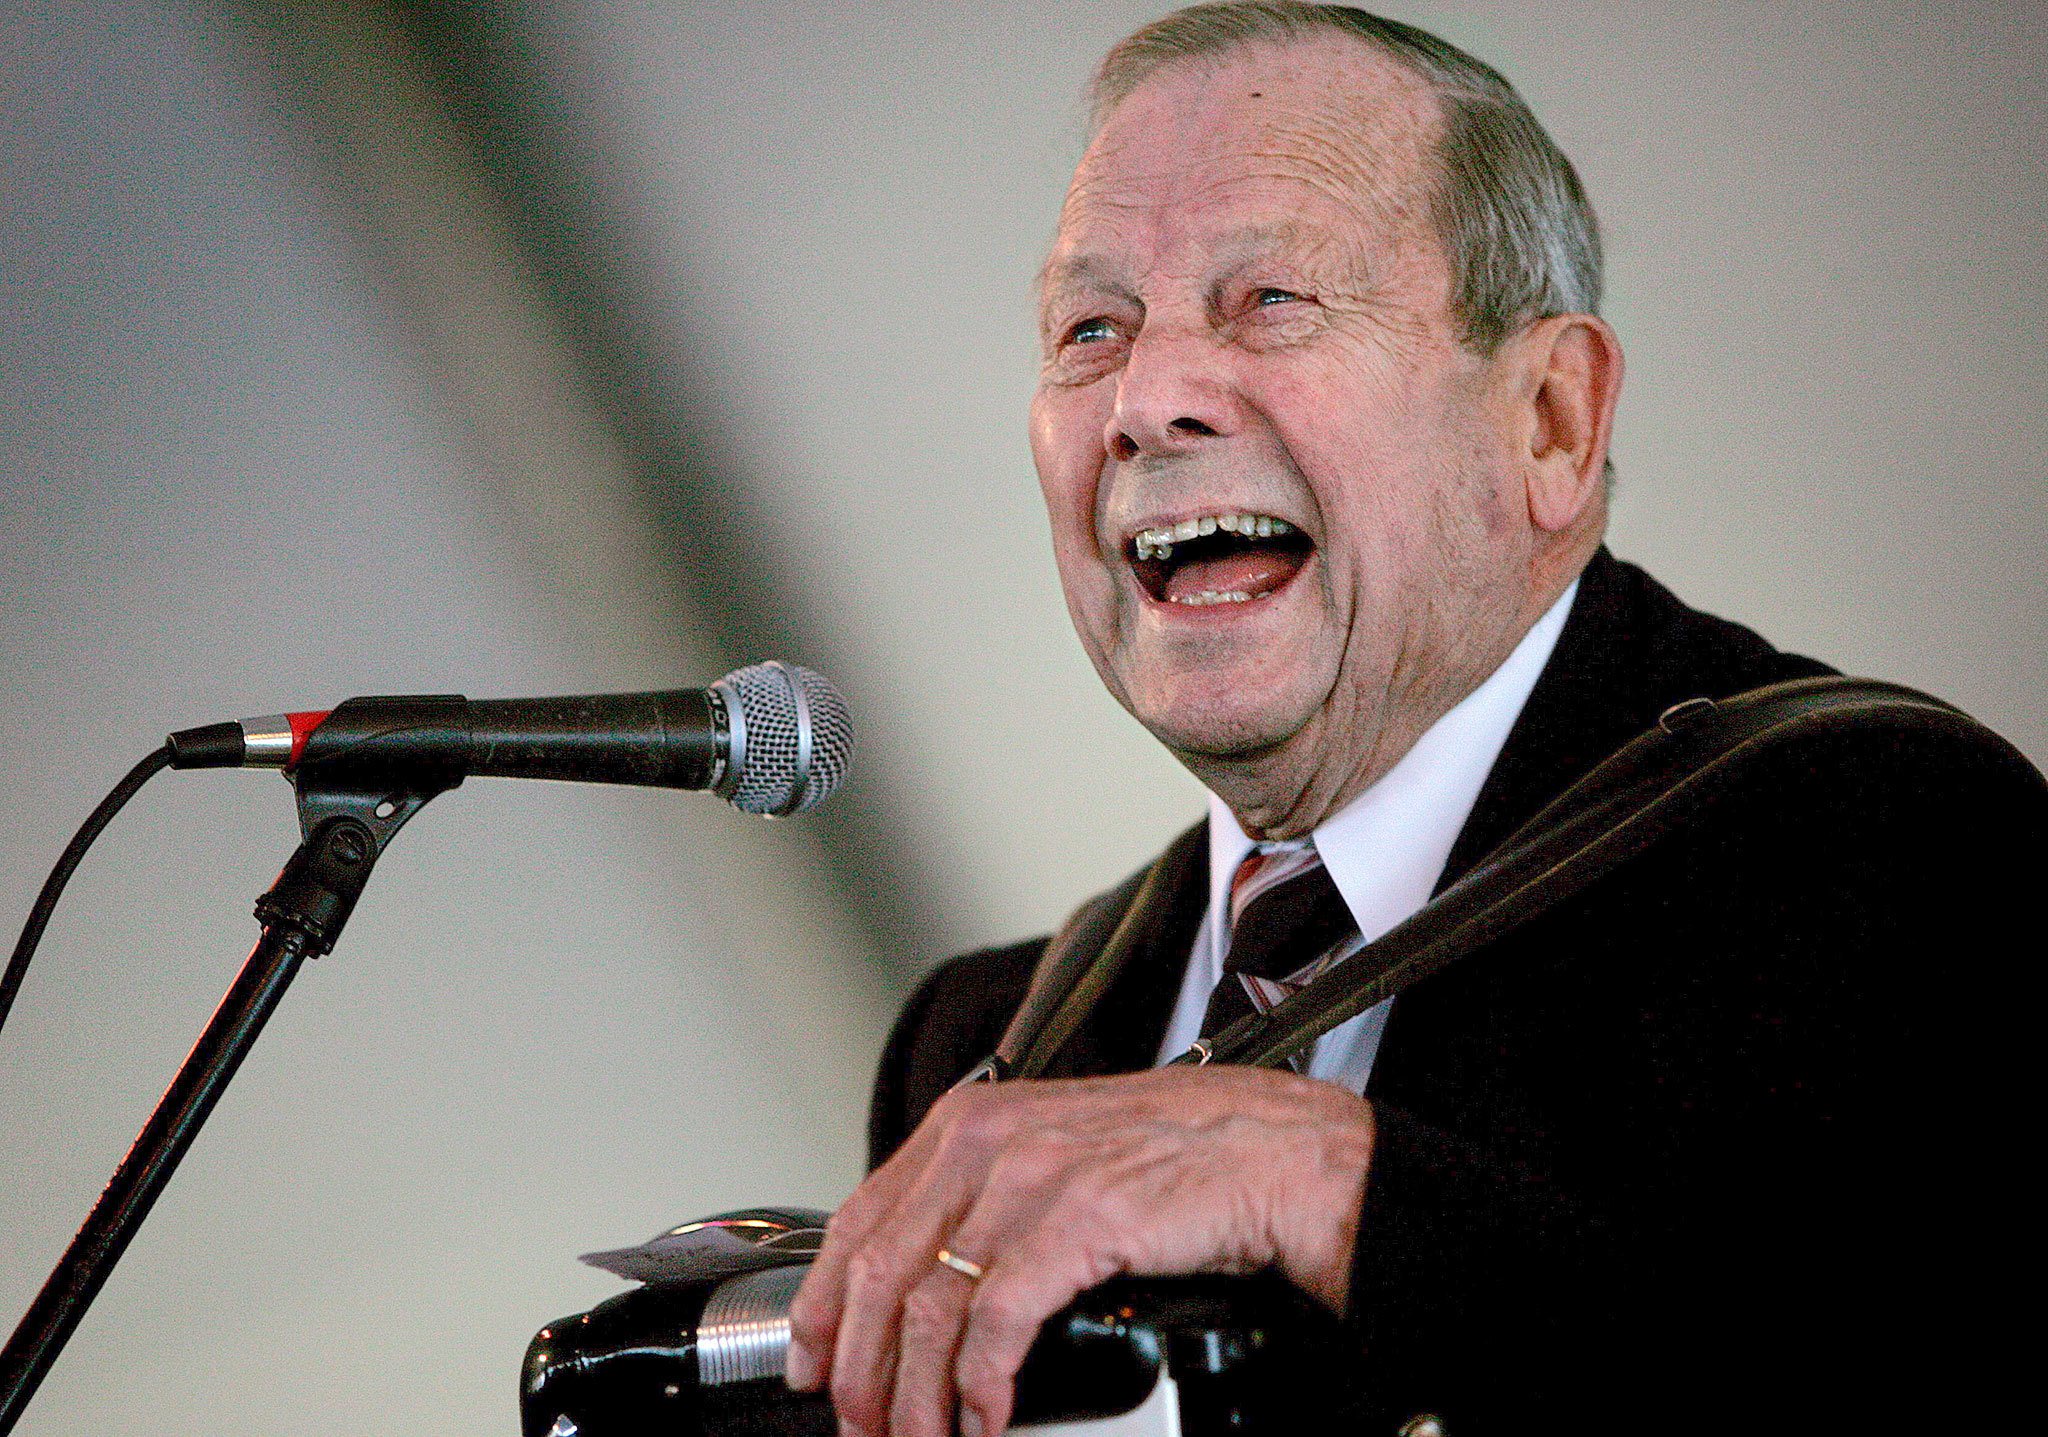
(351, 801)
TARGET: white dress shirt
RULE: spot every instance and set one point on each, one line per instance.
(1385, 850)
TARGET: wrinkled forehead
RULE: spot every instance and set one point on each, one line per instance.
(1329, 129)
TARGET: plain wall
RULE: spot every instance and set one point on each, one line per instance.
(565, 1017)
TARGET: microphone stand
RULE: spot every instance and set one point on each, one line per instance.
(346, 820)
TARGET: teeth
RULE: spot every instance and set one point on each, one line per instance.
(1213, 596)
(1158, 543)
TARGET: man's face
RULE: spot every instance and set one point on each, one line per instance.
(1247, 332)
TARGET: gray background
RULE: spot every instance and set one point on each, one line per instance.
(352, 348)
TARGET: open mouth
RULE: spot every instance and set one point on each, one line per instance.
(1218, 559)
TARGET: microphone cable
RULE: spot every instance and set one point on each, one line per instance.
(53, 886)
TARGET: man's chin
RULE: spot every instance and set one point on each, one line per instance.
(1228, 698)
(1218, 729)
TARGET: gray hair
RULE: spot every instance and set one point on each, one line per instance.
(1513, 219)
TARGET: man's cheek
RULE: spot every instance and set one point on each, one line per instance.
(1082, 573)
(1065, 429)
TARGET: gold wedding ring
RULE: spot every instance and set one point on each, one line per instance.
(972, 1271)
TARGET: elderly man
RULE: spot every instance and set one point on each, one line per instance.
(1322, 430)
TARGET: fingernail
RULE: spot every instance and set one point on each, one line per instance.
(970, 1422)
(800, 1369)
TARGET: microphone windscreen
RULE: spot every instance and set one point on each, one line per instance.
(795, 737)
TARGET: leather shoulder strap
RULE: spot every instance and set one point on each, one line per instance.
(1649, 788)
(1645, 790)
(1081, 962)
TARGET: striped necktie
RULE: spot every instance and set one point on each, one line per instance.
(1288, 924)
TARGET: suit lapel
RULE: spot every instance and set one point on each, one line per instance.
(1584, 706)
(1630, 649)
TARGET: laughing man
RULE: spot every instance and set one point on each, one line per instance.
(1322, 429)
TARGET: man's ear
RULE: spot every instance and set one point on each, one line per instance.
(1571, 379)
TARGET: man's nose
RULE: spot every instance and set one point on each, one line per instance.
(1173, 395)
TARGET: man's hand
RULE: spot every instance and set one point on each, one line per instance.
(1053, 1187)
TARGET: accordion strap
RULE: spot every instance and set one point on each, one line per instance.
(1077, 967)
(1644, 791)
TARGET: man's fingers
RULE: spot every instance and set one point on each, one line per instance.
(893, 1258)
(1028, 1283)
(893, 1265)
(865, 1350)
(815, 1314)
(933, 1315)
(1018, 1188)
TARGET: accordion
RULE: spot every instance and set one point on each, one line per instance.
(698, 1350)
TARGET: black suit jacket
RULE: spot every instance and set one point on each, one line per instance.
(1726, 1141)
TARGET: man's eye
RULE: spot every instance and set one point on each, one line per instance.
(1088, 331)
(1269, 295)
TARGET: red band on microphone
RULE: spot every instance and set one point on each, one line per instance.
(303, 725)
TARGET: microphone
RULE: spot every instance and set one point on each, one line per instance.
(771, 738)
